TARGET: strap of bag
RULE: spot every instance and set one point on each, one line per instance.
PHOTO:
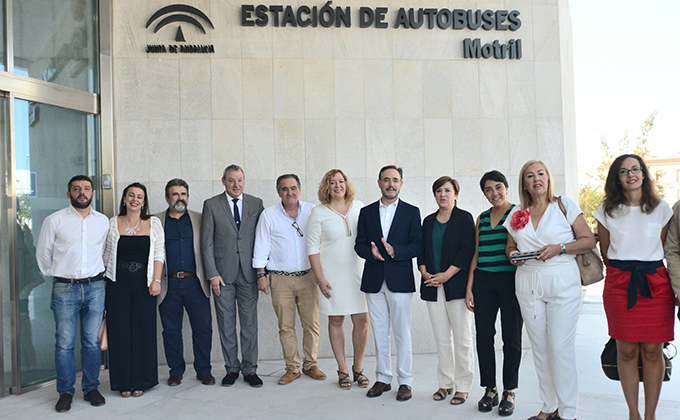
(564, 212)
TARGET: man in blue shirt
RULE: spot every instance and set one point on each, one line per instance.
(184, 286)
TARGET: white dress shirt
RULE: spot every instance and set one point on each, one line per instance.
(71, 246)
(387, 216)
(239, 204)
(278, 246)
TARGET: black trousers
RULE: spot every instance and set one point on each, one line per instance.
(494, 291)
(186, 293)
(131, 329)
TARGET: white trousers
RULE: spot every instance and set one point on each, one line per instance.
(452, 327)
(550, 299)
(385, 308)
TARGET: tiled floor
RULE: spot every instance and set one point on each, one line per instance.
(600, 398)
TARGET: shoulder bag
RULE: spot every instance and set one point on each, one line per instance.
(590, 264)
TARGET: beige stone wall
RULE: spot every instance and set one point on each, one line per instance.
(306, 100)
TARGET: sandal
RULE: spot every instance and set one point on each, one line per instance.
(442, 393)
(343, 380)
(125, 394)
(457, 399)
(507, 407)
(489, 400)
(360, 378)
(137, 393)
(552, 416)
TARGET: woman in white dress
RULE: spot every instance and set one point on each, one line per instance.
(332, 230)
(548, 287)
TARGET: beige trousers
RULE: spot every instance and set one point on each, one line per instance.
(452, 327)
(289, 293)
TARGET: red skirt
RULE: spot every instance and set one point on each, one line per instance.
(650, 320)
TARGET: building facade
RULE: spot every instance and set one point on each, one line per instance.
(135, 90)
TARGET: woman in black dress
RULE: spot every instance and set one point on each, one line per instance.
(134, 257)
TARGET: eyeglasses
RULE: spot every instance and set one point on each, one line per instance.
(297, 228)
(635, 170)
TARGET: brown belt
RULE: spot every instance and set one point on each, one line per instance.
(182, 274)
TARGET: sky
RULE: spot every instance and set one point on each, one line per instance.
(626, 66)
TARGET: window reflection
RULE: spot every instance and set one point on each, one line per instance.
(56, 41)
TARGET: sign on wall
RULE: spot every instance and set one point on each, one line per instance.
(329, 16)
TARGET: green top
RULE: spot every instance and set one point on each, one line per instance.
(491, 253)
(437, 240)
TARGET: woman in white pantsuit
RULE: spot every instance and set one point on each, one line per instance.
(549, 287)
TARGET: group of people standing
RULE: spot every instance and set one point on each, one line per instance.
(310, 259)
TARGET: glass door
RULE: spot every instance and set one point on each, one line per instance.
(52, 144)
(5, 288)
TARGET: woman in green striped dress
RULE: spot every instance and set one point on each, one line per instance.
(491, 286)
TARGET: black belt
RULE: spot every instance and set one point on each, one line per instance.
(86, 280)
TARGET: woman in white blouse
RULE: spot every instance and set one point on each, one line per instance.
(332, 230)
(548, 288)
(632, 223)
(134, 257)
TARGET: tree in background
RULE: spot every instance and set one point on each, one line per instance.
(590, 194)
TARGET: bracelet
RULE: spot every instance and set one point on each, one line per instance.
(157, 280)
(564, 249)
(261, 274)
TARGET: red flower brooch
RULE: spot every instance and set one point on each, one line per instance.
(520, 219)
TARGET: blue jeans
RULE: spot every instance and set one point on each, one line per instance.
(68, 302)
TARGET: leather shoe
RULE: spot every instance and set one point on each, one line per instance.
(94, 397)
(229, 379)
(315, 373)
(64, 403)
(377, 389)
(174, 380)
(404, 393)
(207, 379)
(289, 377)
(253, 380)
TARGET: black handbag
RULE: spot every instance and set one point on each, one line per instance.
(608, 360)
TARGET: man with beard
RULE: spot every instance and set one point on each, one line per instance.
(184, 286)
(388, 238)
(70, 250)
(227, 238)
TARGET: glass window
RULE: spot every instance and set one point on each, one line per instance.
(5, 301)
(2, 36)
(52, 144)
(56, 41)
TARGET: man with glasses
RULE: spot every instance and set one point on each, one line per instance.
(70, 250)
(227, 239)
(281, 247)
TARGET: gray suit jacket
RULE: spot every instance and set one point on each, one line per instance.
(200, 273)
(224, 246)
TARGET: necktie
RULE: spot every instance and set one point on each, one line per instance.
(237, 216)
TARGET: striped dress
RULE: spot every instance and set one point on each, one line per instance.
(491, 256)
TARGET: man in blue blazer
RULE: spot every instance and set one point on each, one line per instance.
(388, 238)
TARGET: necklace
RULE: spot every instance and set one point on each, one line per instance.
(134, 229)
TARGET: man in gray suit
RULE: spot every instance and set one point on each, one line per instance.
(184, 286)
(227, 239)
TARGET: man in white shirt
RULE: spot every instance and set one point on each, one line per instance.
(281, 247)
(70, 250)
(388, 238)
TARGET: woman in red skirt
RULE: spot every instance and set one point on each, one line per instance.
(638, 298)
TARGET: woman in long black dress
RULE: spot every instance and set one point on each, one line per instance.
(134, 259)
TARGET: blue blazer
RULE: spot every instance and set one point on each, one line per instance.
(405, 236)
